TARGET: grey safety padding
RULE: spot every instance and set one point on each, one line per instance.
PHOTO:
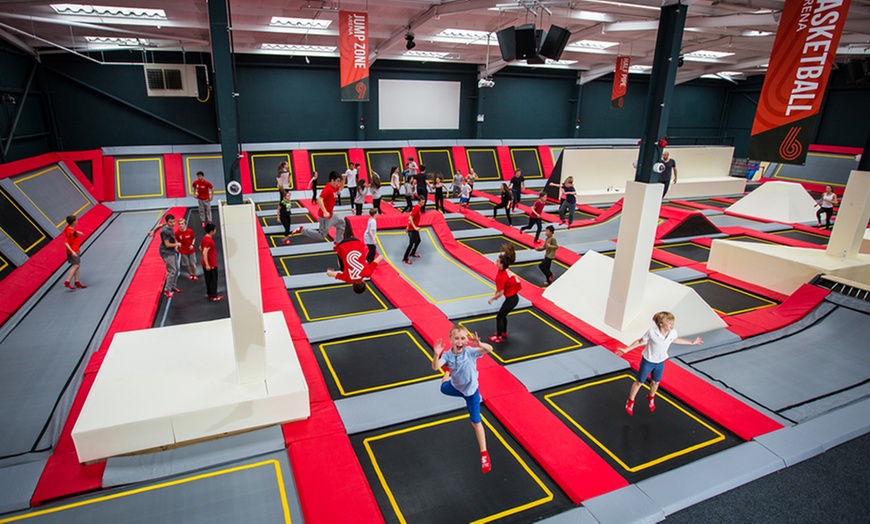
(476, 233)
(710, 476)
(526, 255)
(138, 150)
(681, 274)
(839, 426)
(35, 370)
(563, 368)
(716, 338)
(184, 459)
(310, 280)
(139, 178)
(790, 445)
(11, 251)
(75, 181)
(711, 212)
(392, 406)
(151, 203)
(50, 197)
(678, 240)
(820, 406)
(628, 504)
(471, 307)
(849, 302)
(579, 515)
(598, 246)
(302, 249)
(340, 327)
(17, 483)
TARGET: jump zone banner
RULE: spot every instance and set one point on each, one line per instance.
(620, 82)
(797, 75)
(353, 42)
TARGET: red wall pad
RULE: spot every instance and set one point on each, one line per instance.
(27, 164)
(245, 173)
(839, 150)
(408, 152)
(546, 156)
(108, 179)
(176, 185)
(301, 169)
(358, 156)
(505, 162)
(95, 157)
(460, 160)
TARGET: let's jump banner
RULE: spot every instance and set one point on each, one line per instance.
(797, 74)
(620, 82)
(353, 41)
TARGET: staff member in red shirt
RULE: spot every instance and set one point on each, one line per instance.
(414, 230)
(209, 263)
(326, 219)
(204, 195)
(73, 250)
(507, 285)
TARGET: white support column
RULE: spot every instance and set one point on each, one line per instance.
(852, 218)
(637, 228)
(239, 237)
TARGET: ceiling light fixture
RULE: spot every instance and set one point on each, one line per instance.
(111, 40)
(109, 11)
(307, 50)
(299, 23)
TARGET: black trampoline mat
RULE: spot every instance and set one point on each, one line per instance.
(298, 239)
(528, 160)
(531, 334)
(6, 267)
(306, 263)
(726, 299)
(489, 245)
(803, 236)
(689, 250)
(642, 445)
(747, 238)
(428, 470)
(713, 203)
(300, 219)
(530, 272)
(376, 361)
(337, 301)
(462, 224)
(18, 226)
(325, 161)
(484, 161)
(517, 219)
(436, 161)
(273, 206)
(654, 265)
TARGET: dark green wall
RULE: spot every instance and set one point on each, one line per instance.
(32, 134)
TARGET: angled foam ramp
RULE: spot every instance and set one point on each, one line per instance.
(555, 370)
(17, 483)
(628, 504)
(779, 201)
(694, 225)
(710, 476)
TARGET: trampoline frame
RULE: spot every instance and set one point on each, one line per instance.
(274, 187)
(72, 182)
(732, 288)
(537, 158)
(30, 220)
(498, 175)
(160, 178)
(189, 174)
(494, 353)
(421, 152)
(308, 318)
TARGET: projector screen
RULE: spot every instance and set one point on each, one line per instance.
(418, 104)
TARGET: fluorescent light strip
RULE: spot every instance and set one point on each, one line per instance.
(111, 40)
(424, 54)
(640, 69)
(109, 11)
(307, 50)
(706, 55)
(622, 4)
(584, 45)
(299, 23)
(465, 36)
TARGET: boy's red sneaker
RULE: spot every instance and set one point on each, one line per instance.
(652, 402)
(485, 464)
(168, 294)
(296, 231)
(176, 290)
(68, 285)
(81, 286)
(407, 262)
(629, 407)
(495, 338)
(216, 298)
(195, 277)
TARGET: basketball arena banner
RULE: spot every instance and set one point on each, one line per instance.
(353, 42)
(620, 82)
(797, 74)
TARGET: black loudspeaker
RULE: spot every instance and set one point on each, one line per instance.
(540, 34)
(527, 42)
(507, 43)
(555, 42)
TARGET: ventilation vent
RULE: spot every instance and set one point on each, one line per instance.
(171, 80)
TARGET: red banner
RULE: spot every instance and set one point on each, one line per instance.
(797, 75)
(353, 42)
(620, 82)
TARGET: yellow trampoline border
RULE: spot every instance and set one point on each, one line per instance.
(469, 150)
(339, 286)
(369, 154)
(548, 495)
(26, 217)
(732, 288)
(188, 173)
(537, 159)
(62, 172)
(421, 152)
(275, 187)
(718, 438)
(159, 178)
(577, 343)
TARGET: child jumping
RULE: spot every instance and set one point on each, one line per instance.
(507, 285)
(550, 247)
(656, 343)
(461, 379)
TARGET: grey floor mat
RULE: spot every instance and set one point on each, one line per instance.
(17, 484)
(823, 360)
(592, 233)
(35, 370)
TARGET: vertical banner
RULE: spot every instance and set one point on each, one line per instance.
(797, 75)
(353, 42)
(620, 82)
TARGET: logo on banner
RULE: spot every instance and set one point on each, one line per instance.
(806, 43)
(353, 41)
(620, 82)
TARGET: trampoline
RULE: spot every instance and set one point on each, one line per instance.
(728, 300)
(462, 224)
(689, 250)
(747, 238)
(381, 162)
(21, 230)
(820, 168)
(273, 206)
(528, 160)
(306, 263)
(804, 236)
(323, 162)
(6, 267)
(53, 194)
(710, 202)
(375, 361)
(264, 170)
(428, 470)
(437, 161)
(638, 446)
(337, 301)
(139, 178)
(484, 162)
(530, 272)
(277, 240)
(532, 334)
(490, 245)
(212, 168)
(295, 219)
(654, 265)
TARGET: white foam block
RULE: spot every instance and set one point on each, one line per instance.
(778, 201)
(583, 291)
(163, 386)
(782, 268)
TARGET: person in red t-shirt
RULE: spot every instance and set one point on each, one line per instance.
(209, 263)
(186, 237)
(414, 230)
(326, 219)
(507, 285)
(535, 214)
(73, 250)
(352, 256)
(204, 195)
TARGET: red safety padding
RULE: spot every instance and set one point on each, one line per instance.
(108, 179)
(95, 158)
(546, 156)
(802, 301)
(572, 464)
(672, 259)
(692, 204)
(173, 171)
(26, 279)
(505, 162)
(460, 159)
(408, 152)
(301, 169)
(246, 175)
(839, 150)
(324, 420)
(330, 482)
(358, 156)
(27, 164)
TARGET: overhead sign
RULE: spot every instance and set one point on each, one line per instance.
(353, 41)
(620, 82)
(797, 75)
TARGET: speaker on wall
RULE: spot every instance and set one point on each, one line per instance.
(555, 42)
(507, 43)
(527, 44)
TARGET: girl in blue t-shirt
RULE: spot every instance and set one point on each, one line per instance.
(461, 379)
